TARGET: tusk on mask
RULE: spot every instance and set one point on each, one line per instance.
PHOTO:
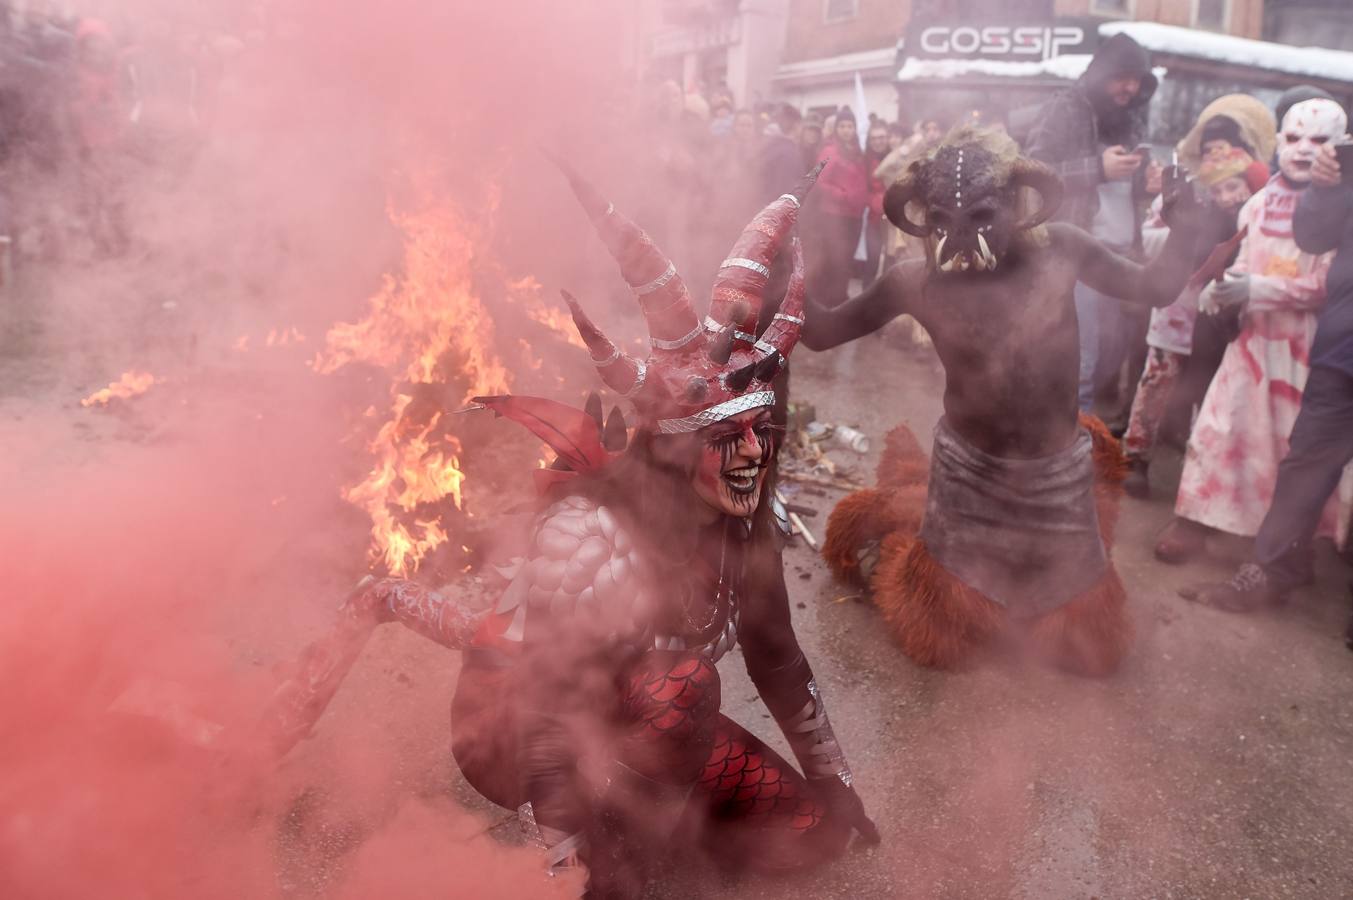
(939, 252)
(987, 255)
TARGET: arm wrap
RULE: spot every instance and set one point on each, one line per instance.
(791, 694)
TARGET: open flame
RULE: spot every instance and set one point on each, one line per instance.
(129, 385)
(433, 334)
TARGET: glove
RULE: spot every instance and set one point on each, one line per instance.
(845, 807)
(1230, 292)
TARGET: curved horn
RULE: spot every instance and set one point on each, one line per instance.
(783, 331)
(744, 274)
(618, 370)
(662, 293)
(899, 194)
(1029, 173)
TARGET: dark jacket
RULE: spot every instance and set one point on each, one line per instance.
(1323, 221)
(779, 165)
(1078, 121)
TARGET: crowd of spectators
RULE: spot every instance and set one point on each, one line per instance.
(727, 161)
(85, 103)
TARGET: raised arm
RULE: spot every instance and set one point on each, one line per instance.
(1158, 283)
(889, 297)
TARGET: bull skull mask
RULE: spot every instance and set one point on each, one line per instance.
(970, 191)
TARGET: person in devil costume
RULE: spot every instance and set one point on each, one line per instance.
(1022, 494)
(589, 700)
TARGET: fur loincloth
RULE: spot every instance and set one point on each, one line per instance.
(1024, 533)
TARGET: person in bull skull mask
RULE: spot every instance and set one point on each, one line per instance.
(1022, 495)
(589, 700)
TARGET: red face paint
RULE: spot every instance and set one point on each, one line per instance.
(734, 456)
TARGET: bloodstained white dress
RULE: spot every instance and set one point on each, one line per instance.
(1242, 430)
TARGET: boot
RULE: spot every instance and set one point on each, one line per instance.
(1181, 541)
(1248, 590)
(1137, 484)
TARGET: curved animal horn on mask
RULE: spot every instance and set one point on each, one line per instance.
(1029, 173)
(662, 293)
(745, 273)
(898, 195)
(621, 372)
(783, 331)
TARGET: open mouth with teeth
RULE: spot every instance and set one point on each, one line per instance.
(742, 481)
(983, 260)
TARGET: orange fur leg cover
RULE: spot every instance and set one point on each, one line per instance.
(866, 516)
(939, 620)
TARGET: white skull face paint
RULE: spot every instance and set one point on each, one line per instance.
(1305, 128)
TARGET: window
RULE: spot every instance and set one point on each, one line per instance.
(1111, 7)
(840, 10)
(1211, 14)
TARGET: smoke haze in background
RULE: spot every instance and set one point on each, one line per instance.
(163, 553)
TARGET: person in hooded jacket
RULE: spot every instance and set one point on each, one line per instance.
(1089, 134)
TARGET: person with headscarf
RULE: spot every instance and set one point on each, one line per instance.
(1089, 135)
(1242, 430)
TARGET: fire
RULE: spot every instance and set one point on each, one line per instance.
(426, 327)
(552, 317)
(129, 385)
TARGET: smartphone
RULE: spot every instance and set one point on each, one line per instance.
(1344, 153)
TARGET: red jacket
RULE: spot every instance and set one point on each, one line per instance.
(843, 189)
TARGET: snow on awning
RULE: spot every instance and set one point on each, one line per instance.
(1316, 62)
(1068, 67)
(846, 64)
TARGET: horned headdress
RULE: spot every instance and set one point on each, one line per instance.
(698, 371)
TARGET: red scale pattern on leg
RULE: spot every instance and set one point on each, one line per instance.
(670, 706)
(744, 780)
(759, 812)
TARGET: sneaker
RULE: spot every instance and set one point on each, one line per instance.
(1181, 541)
(1248, 590)
(1137, 484)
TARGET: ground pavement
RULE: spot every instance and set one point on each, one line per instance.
(1215, 764)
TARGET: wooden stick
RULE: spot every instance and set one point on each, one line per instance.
(838, 483)
(795, 521)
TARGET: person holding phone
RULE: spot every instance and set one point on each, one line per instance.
(1091, 135)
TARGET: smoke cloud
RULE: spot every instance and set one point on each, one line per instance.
(168, 552)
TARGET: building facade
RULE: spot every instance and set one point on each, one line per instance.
(1310, 23)
(829, 42)
(1242, 18)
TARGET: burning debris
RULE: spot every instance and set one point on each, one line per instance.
(431, 332)
(131, 384)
